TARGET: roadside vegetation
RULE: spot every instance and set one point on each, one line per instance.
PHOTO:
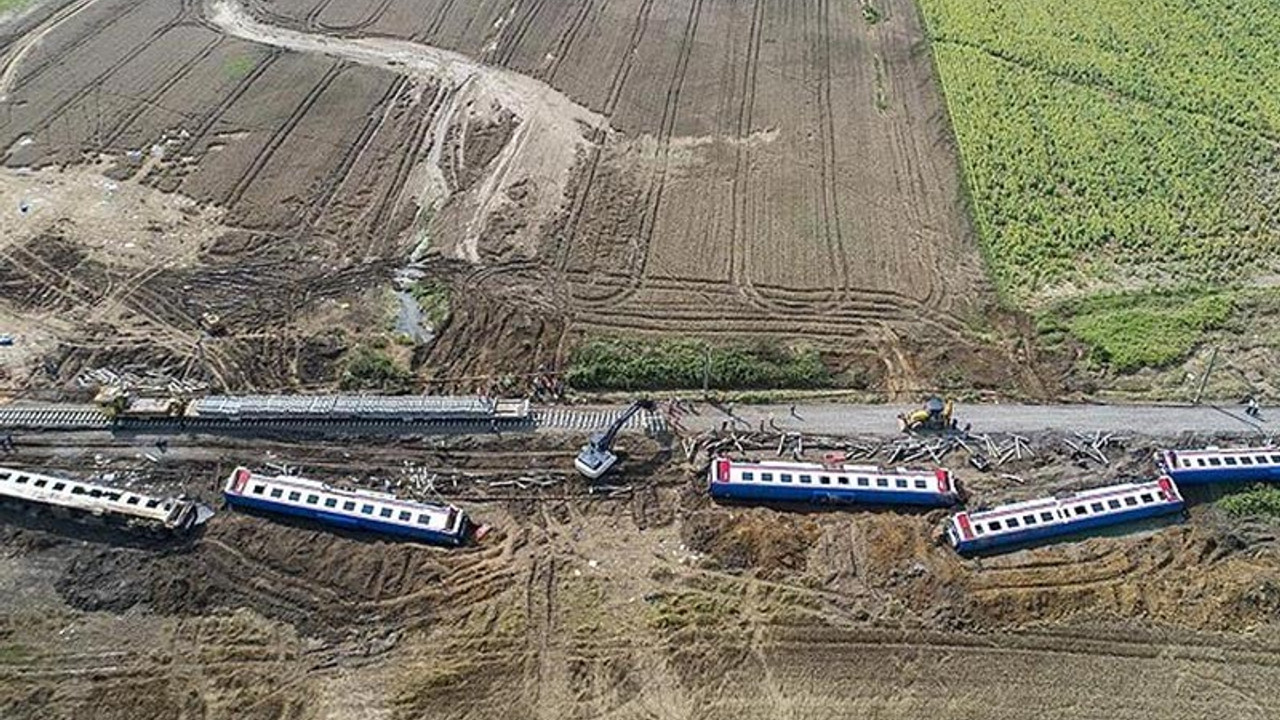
(1107, 143)
(372, 369)
(1129, 331)
(1257, 501)
(617, 363)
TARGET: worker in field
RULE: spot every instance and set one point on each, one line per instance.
(1251, 407)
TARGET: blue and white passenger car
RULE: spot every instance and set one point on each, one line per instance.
(1025, 522)
(1219, 465)
(830, 484)
(365, 510)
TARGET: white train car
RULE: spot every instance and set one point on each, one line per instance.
(126, 506)
(1026, 522)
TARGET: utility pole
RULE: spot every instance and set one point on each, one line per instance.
(1204, 379)
(706, 371)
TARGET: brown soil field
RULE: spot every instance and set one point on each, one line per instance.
(568, 167)
(652, 603)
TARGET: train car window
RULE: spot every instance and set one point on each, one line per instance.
(95, 493)
(331, 502)
(133, 500)
(1130, 501)
(843, 480)
(1215, 462)
(313, 499)
(1262, 459)
(784, 477)
(1080, 510)
(40, 483)
(1096, 507)
(349, 505)
(1028, 519)
(1113, 504)
(276, 492)
(766, 477)
(1229, 460)
(1275, 458)
(1146, 498)
(385, 512)
(57, 487)
(424, 519)
(1246, 460)
(1046, 516)
(748, 476)
(922, 485)
(1011, 523)
(22, 479)
(863, 482)
(978, 529)
(882, 482)
(900, 482)
(77, 490)
(1186, 462)
(294, 495)
(405, 515)
(367, 509)
(825, 479)
(994, 525)
(259, 489)
(152, 503)
(806, 478)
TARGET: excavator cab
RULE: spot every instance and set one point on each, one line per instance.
(596, 457)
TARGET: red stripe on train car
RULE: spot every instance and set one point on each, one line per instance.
(963, 521)
(944, 480)
(1168, 489)
(722, 470)
(242, 477)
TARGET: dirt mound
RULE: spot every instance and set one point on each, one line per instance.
(755, 539)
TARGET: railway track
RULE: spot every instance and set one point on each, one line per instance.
(84, 417)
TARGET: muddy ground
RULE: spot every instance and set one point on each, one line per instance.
(651, 602)
(567, 167)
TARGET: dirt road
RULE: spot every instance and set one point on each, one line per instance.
(837, 419)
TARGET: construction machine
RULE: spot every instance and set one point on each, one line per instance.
(597, 456)
(935, 416)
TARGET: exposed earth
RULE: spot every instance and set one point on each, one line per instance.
(646, 602)
(567, 168)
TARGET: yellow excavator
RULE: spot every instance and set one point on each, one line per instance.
(935, 416)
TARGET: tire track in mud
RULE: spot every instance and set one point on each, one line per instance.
(621, 74)
(281, 132)
(565, 43)
(432, 31)
(372, 17)
(309, 21)
(18, 50)
(96, 82)
(215, 113)
(509, 43)
(150, 99)
(377, 117)
(830, 200)
(639, 256)
(393, 199)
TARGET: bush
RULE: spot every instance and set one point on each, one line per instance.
(636, 364)
(368, 369)
(1258, 501)
(434, 298)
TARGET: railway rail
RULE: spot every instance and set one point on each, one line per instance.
(87, 417)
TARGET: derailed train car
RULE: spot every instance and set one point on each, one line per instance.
(1221, 465)
(819, 484)
(362, 510)
(1018, 524)
(120, 506)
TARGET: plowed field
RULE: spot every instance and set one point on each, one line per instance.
(761, 169)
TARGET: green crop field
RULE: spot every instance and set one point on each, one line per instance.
(1111, 144)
